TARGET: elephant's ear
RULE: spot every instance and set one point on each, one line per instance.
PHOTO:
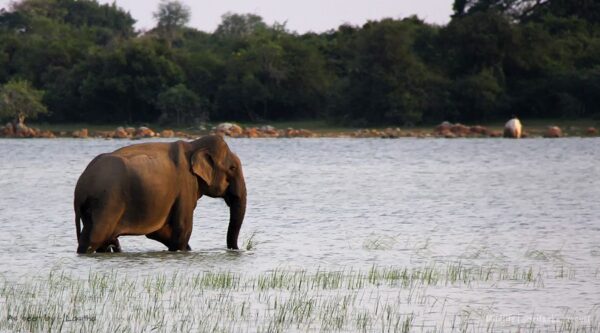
(202, 166)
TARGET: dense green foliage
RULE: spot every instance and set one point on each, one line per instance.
(18, 100)
(533, 58)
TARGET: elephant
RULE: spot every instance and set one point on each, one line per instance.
(152, 189)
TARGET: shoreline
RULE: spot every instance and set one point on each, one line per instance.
(538, 129)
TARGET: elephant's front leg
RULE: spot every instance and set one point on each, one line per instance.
(181, 220)
(165, 236)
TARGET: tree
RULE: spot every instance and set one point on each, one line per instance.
(524, 10)
(171, 17)
(387, 81)
(83, 14)
(179, 104)
(118, 84)
(19, 101)
(517, 9)
(239, 25)
(36, 36)
(273, 75)
(534, 58)
(477, 96)
(477, 42)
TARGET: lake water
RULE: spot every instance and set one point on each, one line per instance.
(337, 204)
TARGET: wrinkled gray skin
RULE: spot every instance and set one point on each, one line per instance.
(152, 189)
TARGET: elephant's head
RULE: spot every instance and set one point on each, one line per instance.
(219, 173)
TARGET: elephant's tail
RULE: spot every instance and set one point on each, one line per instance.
(80, 208)
(78, 222)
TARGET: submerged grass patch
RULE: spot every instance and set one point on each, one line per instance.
(386, 299)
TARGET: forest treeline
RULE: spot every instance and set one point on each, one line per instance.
(495, 58)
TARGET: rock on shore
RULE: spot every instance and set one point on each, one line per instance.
(443, 130)
(267, 131)
(553, 132)
(22, 131)
(458, 130)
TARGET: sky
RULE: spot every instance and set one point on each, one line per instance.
(301, 15)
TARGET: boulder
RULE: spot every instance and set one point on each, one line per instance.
(355, 134)
(22, 131)
(167, 133)
(445, 133)
(362, 133)
(369, 133)
(235, 130)
(289, 132)
(121, 133)
(480, 130)
(553, 132)
(180, 134)
(443, 127)
(229, 129)
(46, 134)
(269, 132)
(130, 130)
(444, 130)
(144, 132)
(304, 133)
(495, 134)
(80, 134)
(7, 130)
(104, 134)
(267, 128)
(223, 127)
(449, 130)
(391, 133)
(460, 130)
(251, 132)
(513, 128)
(297, 133)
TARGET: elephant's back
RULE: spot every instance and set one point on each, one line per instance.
(148, 148)
(102, 171)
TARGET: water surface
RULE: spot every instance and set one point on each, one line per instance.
(347, 203)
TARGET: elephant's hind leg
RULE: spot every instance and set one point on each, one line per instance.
(98, 231)
(116, 246)
(165, 236)
(111, 246)
(84, 237)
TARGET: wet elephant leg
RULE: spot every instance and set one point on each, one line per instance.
(162, 235)
(165, 236)
(116, 246)
(111, 246)
(84, 239)
(100, 239)
(98, 229)
(181, 220)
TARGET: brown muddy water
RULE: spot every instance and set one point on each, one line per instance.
(349, 235)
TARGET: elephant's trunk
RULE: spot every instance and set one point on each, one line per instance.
(237, 211)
